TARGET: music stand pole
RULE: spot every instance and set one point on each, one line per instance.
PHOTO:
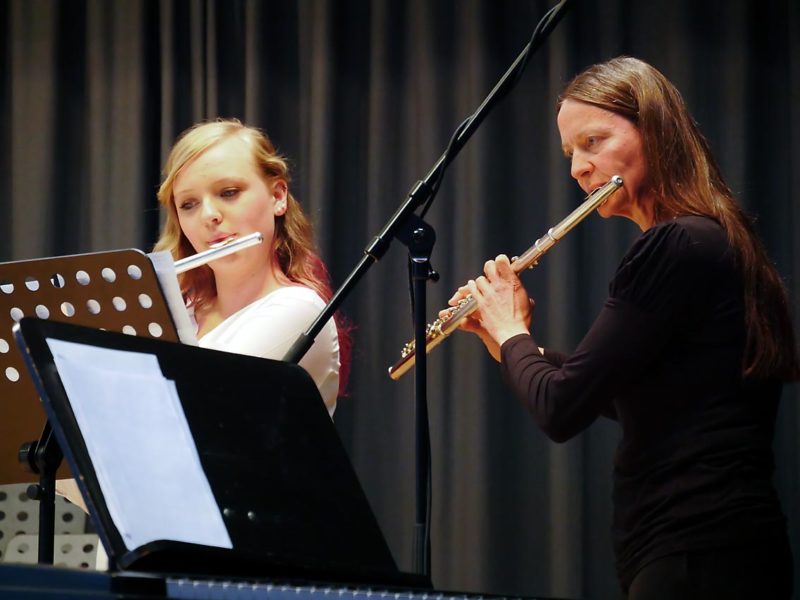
(44, 457)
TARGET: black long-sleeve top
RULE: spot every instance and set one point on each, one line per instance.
(664, 357)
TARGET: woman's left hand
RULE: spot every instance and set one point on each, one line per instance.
(504, 305)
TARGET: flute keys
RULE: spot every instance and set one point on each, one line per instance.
(407, 349)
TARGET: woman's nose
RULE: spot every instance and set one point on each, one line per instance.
(211, 211)
(580, 166)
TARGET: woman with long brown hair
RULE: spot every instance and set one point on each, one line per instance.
(224, 180)
(688, 353)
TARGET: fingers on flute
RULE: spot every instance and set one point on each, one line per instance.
(479, 287)
(499, 268)
(470, 327)
(460, 294)
(503, 267)
(490, 269)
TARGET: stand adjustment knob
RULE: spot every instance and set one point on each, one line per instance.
(27, 457)
(34, 491)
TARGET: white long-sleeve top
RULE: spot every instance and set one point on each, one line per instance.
(268, 327)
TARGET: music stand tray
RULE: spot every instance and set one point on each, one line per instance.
(280, 479)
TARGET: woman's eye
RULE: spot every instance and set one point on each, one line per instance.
(592, 141)
(186, 204)
(229, 192)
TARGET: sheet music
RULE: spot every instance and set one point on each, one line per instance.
(140, 445)
(165, 271)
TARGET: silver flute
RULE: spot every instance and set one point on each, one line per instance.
(218, 251)
(442, 327)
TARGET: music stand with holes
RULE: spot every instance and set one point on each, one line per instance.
(117, 291)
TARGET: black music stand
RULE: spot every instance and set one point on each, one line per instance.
(116, 290)
(280, 477)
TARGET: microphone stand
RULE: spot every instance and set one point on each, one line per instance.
(407, 226)
(420, 237)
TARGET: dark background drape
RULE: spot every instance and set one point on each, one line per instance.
(363, 96)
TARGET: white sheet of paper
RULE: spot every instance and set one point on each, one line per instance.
(140, 445)
(164, 267)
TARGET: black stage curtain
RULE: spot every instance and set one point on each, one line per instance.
(363, 95)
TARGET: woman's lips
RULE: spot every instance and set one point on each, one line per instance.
(219, 242)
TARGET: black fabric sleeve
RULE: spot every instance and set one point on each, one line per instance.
(652, 288)
(555, 357)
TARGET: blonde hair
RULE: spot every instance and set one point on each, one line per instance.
(687, 181)
(293, 241)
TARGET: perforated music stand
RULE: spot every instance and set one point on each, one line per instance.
(116, 291)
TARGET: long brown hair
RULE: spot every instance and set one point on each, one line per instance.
(687, 181)
(293, 241)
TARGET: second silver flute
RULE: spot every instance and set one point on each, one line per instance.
(201, 258)
(442, 327)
